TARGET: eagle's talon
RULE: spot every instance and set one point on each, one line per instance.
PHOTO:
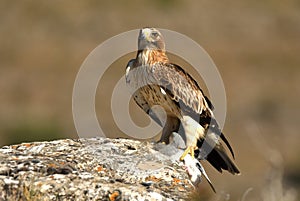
(189, 150)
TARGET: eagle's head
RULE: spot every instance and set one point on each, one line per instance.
(150, 38)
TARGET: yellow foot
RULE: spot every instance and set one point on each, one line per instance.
(189, 150)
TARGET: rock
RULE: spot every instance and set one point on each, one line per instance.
(91, 169)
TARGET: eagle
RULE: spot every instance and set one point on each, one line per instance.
(156, 81)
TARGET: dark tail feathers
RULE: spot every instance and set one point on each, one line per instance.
(220, 160)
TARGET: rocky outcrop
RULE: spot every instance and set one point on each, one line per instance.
(91, 169)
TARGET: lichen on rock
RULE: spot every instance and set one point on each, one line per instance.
(90, 169)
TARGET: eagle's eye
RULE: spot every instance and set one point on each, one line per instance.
(154, 34)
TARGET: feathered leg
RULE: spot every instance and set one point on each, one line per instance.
(172, 125)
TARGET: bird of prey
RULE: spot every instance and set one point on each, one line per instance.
(157, 81)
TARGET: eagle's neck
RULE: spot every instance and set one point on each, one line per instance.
(150, 57)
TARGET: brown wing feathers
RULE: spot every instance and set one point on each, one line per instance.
(182, 86)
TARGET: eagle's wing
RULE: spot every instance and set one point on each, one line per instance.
(180, 86)
(184, 89)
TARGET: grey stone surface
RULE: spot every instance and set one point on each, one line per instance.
(91, 169)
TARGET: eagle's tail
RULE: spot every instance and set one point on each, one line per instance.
(219, 159)
(216, 153)
(222, 136)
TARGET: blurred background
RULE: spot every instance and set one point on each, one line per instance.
(255, 45)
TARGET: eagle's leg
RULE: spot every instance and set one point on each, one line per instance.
(172, 125)
(188, 150)
(193, 135)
